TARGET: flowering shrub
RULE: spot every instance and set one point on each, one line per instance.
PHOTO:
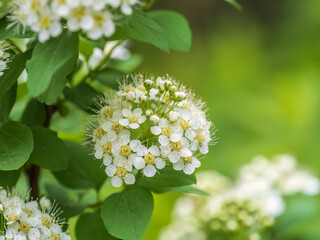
(247, 209)
(148, 124)
(24, 219)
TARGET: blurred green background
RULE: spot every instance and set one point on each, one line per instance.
(259, 71)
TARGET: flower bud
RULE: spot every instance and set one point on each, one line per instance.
(149, 112)
(160, 84)
(173, 116)
(131, 96)
(172, 89)
(154, 119)
(45, 203)
(143, 98)
(179, 96)
(148, 84)
(167, 84)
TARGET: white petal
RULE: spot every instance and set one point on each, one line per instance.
(111, 136)
(106, 126)
(178, 165)
(55, 29)
(87, 23)
(131, 158)
(44, 36)
(129, 178)
(189, 169)
(109, 28)
(154, 150)
(163, 122)
(137, 112)
(126, 9)
(164, 140)
(139, 163)
(175, 137)
(126, 112)
(204, 149)
(95, 33)
(116, 181)
(190, 134)
(107, 160)
(185, 152)
(174, 157)
(111, 170)
(142, 119)
(73, 25)
(156, 130)
(124, 122)
(134, 125)
(195, 162)
(142, 150)
(160, 163)
(134, 144)
(98, 154)
(149, 171)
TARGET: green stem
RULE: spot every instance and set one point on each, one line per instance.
(101, 64)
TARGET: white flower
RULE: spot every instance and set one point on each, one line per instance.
(150, 161)
(120, 171)
(125, 5)
(132, 118)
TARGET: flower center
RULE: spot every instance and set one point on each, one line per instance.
(133, 118)
(22, 16)
(129, 88)
(55, 236)
(107, 112)
(98, 133)
(46, 221)
(24, 227)
(166, 131)
(186, 106)
(142, 88)
(28, 212)
(61, 1)
(176, 145)
(149, 158)
(98, 19)
(45, 22)
(121, 172)
(200, 137)
(125, 151)
(107, 148)
(78, 13)
(187, 159)
(12, 217)
(184, 124)
(117, 127)
(35, 5)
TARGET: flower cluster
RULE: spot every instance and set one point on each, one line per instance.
(282, 174)
(246, 209)
(96, 18)
(147, 124)
(4, 57)
(24, 219)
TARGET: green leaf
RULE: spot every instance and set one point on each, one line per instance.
(34, 113)
(49, 151)
(15, 68)
(84, 171)
(167, 178)
(68, 201)
(16, 31)
(82, 95)
(176, 28)
(9, 178)
(4, 7)
(141, 27)
(50, 64)
(235, 4)
(86, 230)
(109, 77)
(126, 215)
(16, 144)
(6, 104)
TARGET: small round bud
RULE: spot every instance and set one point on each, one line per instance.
(167, 84)
(179, 96)
(173, 89)
(148, 84)
(154, 119)
(143, 98)
(149, 112)
(45, 203)
(173, 116)
(131, 96)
